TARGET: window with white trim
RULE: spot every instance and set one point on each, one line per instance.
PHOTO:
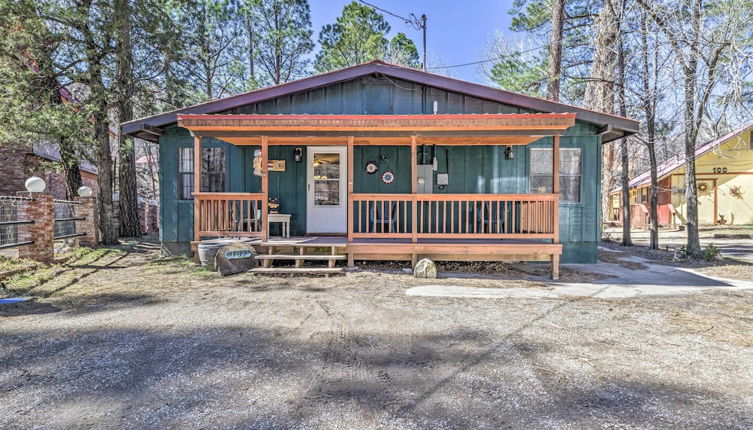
(213, 171)
(540, 173)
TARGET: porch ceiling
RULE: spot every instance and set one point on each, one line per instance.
(459, 129)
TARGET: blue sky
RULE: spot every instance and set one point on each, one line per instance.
(457, 30)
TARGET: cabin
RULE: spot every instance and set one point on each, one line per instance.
(383, 162)
(724, 178)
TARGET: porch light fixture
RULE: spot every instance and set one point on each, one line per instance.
(508, 153)
(298, 154)
(35, 184)
(84, 191)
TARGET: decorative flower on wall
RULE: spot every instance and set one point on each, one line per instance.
(371, 167)
(736, 191)
(703, 188)
(388, 177)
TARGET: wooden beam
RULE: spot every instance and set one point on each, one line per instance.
(264, 188)
(556, 189)
(502, 140)
(555, 164)
(351, 175)
(221, 133)
(413, 188)
(601, 131)
(555, 267)
(197, 156)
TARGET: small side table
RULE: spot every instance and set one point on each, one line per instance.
(283, 219)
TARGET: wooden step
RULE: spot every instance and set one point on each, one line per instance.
(297, 270)
(318, 257)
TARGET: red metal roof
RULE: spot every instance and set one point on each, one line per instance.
(671, 164)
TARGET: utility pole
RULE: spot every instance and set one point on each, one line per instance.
(423, 26)
(412, 21)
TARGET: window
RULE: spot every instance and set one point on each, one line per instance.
(213, 169)
(570, 172)
(326, 179)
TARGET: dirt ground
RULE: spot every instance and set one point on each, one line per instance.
(120, 338)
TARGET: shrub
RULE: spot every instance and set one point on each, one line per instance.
(711, 253)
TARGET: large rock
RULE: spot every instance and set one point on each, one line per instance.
(425, 269)
(235, 258)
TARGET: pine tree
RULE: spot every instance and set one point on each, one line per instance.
(403, 51)
(357, 36)
(282, 39)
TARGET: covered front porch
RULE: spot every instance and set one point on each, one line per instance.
(414, 222)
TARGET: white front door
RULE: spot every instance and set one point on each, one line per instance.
(327, 188)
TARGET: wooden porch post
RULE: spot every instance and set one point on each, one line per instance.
(556, 209)
(264, 188)
(197, 157)
(351, 170)
(413, 190)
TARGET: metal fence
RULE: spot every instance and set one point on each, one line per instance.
(10, 207)
(65, 219)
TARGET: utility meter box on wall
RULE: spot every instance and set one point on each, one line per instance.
(424, 175)
(443, 179)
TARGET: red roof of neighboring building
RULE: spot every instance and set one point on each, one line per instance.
(673, 163)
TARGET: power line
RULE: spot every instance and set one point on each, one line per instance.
(412, 19)
(489, 59)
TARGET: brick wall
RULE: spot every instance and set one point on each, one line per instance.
(41, 210)
(87, 209)
(148, 216)
(18, 165)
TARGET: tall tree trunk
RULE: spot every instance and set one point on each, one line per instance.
(649, 108)
(128, 208)
(691, 132)
(68, 154)
(251, 50)
(600, 86)
(277, 47)
(555, 50)
(71, 167)
(624, 147)
(104, 164)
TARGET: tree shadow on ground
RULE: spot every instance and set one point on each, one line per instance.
(176, 372)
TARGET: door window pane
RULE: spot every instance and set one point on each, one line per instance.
(326, 179)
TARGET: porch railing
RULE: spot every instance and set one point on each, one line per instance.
(408, 216)
(492, 216)
(230, 214)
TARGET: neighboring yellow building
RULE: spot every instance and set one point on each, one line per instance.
(724, 177)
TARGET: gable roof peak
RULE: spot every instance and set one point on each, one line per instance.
(614, 126)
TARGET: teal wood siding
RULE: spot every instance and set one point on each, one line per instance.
(472, 169)
(289, 187)
(375, 96)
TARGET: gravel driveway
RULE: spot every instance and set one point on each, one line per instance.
(128, 342)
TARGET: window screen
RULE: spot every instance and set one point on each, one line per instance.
(540, 172)
(213, 171)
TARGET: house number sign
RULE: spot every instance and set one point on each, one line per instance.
(720, 170)
(237, 255)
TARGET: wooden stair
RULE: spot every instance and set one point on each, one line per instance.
(297, 270)
(267, 260)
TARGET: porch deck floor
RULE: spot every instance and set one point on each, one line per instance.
(343, 241)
